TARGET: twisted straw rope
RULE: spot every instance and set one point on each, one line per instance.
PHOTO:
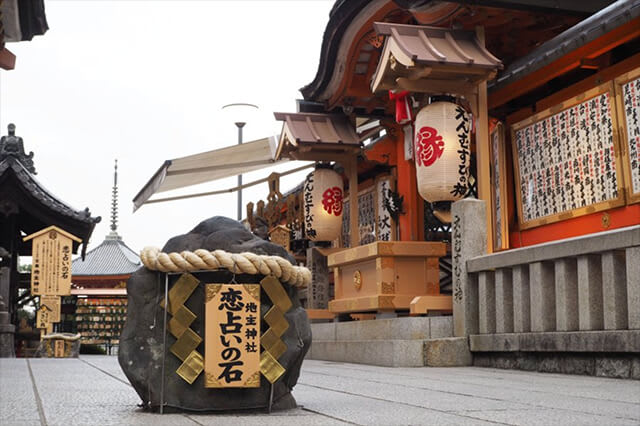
(244, 263)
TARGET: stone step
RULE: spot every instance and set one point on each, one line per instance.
(445, 352)
(403, 328)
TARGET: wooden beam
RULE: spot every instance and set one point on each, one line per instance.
(352, 170)
(7, 59)
(566, 63)
(483, 158)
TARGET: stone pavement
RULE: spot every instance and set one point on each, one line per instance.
(93, 390)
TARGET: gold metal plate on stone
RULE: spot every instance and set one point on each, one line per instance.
(187, 340)
(273, 346)
(191, 367)
(232, 336)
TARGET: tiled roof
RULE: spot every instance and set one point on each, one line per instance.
(111, 257)
(39, 192)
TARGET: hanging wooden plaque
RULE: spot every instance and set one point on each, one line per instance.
(232, 336)
(567, 159)
(51, 261)
(628, 103)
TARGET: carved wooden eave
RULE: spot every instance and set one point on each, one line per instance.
(432, 60)
(316, 137)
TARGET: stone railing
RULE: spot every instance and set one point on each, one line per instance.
(587, 283)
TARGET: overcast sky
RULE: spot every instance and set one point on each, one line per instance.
(144, 81)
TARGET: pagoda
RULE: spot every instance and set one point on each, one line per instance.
(99, 284)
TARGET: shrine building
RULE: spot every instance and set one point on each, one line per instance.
(475, 197)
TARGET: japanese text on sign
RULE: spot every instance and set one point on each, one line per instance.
(51, 263)
(232, 335)
(567, 160)
(631, 105)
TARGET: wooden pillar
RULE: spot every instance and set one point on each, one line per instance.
(483, 159)
(353, 200)
(408, 189)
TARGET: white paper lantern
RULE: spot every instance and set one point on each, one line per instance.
(323, 193)
(441, 145)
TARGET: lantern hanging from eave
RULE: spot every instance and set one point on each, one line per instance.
(323, 193)
(441, 143)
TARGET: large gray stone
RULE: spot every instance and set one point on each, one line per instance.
(142, 351)
(448, 352)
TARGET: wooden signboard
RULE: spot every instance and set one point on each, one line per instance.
(566, 160)
(385, 224)
(232, 336)
(58, 348)
(628, 103)
(53, 305)
(51, 261)
(499, 189)
(43, 317)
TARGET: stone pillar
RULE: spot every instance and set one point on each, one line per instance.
(521, 299)
(318, 290)
(590, 316)
(566, 277)
(5, 284)
(543, 296)
(633, 286)
(614, 290)
(504, 301)
(487, 302)
(469, 239)
(7, 331)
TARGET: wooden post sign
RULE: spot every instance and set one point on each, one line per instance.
(232, 336)
(51, 263)
(43, 317)
(53, 307)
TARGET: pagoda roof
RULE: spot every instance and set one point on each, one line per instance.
(111, 257)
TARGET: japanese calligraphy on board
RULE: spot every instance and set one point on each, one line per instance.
(385, 224)
(566, 160)
(51, 261)
(232, 336)
(499, 189)
(628, 102)
(375, 221)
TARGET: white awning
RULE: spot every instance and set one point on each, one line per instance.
(209, 166)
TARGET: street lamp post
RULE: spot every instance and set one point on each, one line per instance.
(238, 113)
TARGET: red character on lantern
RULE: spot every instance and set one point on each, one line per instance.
(332, 200)
(429, 146)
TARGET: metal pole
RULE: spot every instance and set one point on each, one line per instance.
(240, 126)
(164, 338)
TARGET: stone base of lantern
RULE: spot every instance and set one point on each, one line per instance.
(385, 275)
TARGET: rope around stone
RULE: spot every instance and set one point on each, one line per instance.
(240, 263)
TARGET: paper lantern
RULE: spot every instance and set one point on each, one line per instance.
(323, 194)
(442, 154)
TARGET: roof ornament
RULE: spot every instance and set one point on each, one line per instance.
(12, 145)
(113, 235)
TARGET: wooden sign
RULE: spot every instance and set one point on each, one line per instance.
(53, 305)
(51, 261)
(628, 97)
(58, 348)
(567, 160)
(281, 236)
(499, 189)
(43, 317)
(232, 336)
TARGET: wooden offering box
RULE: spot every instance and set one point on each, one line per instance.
(385, 275)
